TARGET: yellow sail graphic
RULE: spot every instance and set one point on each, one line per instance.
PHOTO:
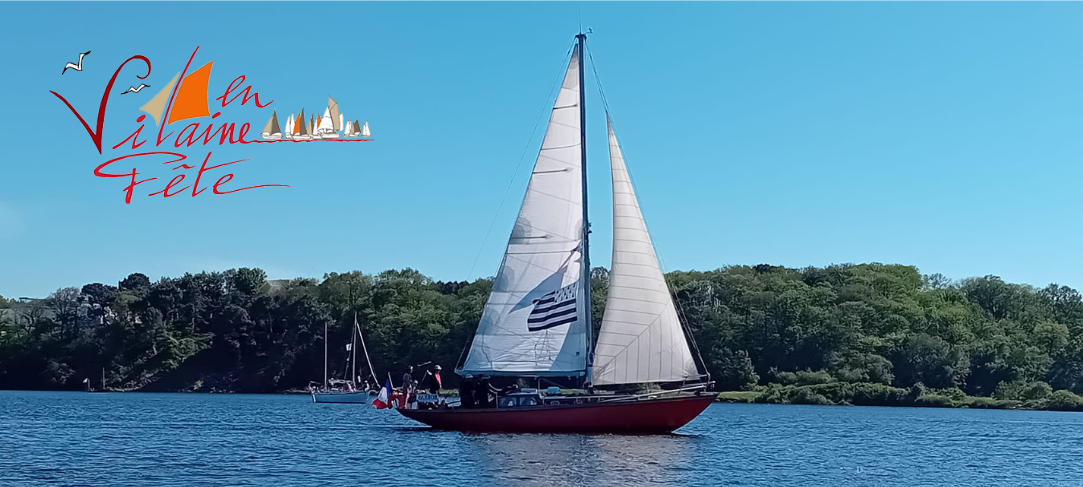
(191, 100)
(156, 105)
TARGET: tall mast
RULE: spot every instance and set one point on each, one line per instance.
(325, 356)
(585, 268)
(353, 347)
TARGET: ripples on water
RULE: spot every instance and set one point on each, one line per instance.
(50, 438)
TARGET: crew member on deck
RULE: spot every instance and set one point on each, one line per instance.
(433, 377)
(411, 401)
(466, 392)
(407, 386)
(485, 393)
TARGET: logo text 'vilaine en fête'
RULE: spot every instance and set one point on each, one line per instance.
(187, 100)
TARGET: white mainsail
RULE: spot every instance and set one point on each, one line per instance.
(641, 339)
(538, 284)
(365, 130)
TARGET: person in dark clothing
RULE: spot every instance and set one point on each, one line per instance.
(408, 377)
(433, 377)
(485, 394)
(466, 392)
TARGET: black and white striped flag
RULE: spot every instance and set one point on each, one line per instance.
(555, 308)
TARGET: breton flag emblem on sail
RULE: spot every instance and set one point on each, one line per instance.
(555, 308)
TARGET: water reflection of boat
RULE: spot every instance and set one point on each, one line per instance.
(597, 459)
(536, 323)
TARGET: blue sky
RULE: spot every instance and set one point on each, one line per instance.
(942, 135)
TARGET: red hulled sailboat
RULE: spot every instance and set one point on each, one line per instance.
(536, 323)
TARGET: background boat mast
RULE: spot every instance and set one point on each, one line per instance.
(585, 270)
(325, 356)
(353, 348)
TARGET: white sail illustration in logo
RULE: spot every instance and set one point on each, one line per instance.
(272, 131)
(543, 256)
(348, 130)
(365, 130)
(288, 132)
(326, 128)
(641, 339)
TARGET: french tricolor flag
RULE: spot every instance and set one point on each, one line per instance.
(381, 401)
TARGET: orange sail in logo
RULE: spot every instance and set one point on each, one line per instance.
(191, 101)
(299, 128)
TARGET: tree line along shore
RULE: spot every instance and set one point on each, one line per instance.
(863, 334)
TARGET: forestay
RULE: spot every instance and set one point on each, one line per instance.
(534, 322)
(641, 339)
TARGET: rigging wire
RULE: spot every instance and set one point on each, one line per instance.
(683, 317)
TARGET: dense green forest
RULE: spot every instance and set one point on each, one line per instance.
(837, 334)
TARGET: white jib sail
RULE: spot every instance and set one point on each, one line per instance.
(365, 130)
(641, 339)
(535, 320)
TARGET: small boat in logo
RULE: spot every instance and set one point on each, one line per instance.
(272, 131)
(326, 129)
(300, 131)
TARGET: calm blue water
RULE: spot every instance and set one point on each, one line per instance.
(51, 438)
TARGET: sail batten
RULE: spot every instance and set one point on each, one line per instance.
(534, 322)
(641, 339)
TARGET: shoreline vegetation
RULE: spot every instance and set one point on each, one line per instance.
(861, 334)
(866, 394)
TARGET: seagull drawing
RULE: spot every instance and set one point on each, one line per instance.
(77, 67)
(132, 89)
